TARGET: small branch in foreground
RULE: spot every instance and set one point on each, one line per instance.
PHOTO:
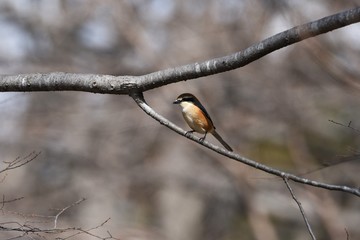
(8, 201)
(27, 229)
(346, 126)
(64, 209)
(301, 209)
(88, 232)
(20, 161)
(140, 101)
(71, 232)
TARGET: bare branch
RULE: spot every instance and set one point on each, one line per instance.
(347, 126)
(139, 99)
(301, 209)
(16, 163)
(3, 178)
(127, 84)
(88, 232)
(8, 201)
(27, 229)
(64, 209)
(20, 161)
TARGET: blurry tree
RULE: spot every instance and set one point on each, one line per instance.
(151, 183)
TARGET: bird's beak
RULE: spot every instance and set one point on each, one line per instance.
(177, 101)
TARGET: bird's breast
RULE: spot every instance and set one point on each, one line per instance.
(195, 118)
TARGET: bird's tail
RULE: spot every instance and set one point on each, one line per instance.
(218, 137)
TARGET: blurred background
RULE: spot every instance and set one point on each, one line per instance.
(151, 182)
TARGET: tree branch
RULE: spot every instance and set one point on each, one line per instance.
(27, 229)
(126, 84)
(56, 217)
(346, 126)
(139, 99)
(300, 208)
(19, 161)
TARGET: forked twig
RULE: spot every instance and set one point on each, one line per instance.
(20, 161)
(64, 209)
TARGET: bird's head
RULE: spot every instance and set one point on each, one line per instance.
(185, 98)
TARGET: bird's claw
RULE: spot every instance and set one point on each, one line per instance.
(203, 138)
(189, 132)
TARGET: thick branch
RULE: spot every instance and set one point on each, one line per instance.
(139, 99)
(127, 84)
(59, 81)
(251, 53)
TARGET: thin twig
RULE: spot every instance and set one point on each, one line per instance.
(346, 126)
(347, 234)
(26, 229)
(301, 209)
(64, 209)
(3, 178)
(20, 161)
(87, 231)
(139, 99)
(8, 201)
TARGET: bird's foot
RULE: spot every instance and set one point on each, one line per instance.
(203, 138)
(189, 132)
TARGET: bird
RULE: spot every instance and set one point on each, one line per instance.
(198, 118)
